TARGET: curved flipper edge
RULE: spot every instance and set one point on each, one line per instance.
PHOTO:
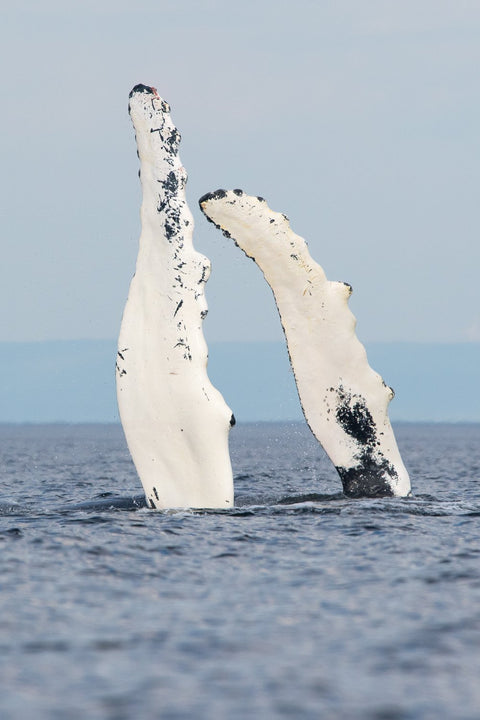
(344, 401)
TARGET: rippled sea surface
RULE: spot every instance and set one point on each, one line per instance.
(298, 603)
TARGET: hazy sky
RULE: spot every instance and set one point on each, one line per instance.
(359, 120)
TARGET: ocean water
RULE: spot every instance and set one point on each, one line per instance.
(298, 603)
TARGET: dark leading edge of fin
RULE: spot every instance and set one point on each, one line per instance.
(215, 195)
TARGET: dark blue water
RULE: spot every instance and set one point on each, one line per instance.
(298, 603)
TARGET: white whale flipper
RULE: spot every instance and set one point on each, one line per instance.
(175, 422)
(344, 401)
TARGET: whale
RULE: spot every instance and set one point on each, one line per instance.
(344, 401)
(176, 423)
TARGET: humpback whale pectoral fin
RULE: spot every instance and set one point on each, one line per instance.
(344, 401)
(176, 423)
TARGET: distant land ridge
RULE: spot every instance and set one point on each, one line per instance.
(73, 380)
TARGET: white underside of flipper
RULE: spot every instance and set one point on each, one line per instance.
(175, 422)
(344, 401)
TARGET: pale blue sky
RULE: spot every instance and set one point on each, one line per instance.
(359, 120)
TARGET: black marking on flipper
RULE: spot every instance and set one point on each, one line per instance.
(215, 195)
(368, 478)
(171, 183)
(120, 371)
(355, 418)
(205, 269)
(232, 420)
(178, 307)
(170, 230)
(156, 493)
(152, 504)
(174, 140)
(140, 88)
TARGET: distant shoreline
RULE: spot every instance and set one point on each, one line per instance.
(72, 381)
(395, 423)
